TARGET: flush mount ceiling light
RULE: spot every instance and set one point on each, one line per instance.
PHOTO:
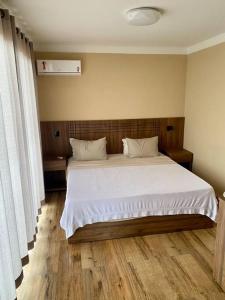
(142, 16)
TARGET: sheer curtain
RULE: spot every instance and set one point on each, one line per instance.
(21, 181)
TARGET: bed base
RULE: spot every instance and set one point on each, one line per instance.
(139, 227)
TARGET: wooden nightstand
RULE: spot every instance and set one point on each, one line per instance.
(181, 156)
(54, 174)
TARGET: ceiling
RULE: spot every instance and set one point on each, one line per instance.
(99, 26)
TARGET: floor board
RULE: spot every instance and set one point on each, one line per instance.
(167, 266)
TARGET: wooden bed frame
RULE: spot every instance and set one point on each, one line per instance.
(55, 142)
(139, 227)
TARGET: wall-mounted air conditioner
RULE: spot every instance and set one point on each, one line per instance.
(59, 67)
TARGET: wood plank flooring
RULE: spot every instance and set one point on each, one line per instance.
(167, 266)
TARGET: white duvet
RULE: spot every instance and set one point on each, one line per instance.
(121, 188)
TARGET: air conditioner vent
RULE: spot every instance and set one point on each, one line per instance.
(59, 67)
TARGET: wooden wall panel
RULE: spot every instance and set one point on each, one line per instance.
(114, 130)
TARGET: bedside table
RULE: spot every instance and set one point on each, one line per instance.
(54, 174)
(182, 156)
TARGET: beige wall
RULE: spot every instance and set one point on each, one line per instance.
(114, 86)
(136, 86)
(205, 113)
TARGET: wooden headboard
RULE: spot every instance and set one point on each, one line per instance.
(55, 134)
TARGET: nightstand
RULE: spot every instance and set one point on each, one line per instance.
(54, 174)
(182, 156)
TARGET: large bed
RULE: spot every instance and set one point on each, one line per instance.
(124, 196)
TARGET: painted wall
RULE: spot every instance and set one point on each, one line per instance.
(114, 86)
(205, 113)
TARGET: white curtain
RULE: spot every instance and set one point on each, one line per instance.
(21, 179)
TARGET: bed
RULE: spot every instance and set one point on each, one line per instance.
(121, 197)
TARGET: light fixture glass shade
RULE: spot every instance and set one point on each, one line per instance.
(142, 16)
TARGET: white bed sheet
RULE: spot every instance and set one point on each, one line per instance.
(121, 188)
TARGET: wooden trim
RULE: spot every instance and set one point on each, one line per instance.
(139, 227)
(55, 134)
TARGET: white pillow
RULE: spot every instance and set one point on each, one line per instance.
(125, 147)
(89, 150)
(142, 147)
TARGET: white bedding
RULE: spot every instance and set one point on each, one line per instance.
(121, 188)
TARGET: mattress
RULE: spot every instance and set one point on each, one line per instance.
(122, 188)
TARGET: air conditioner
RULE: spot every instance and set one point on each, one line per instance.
(59, 67)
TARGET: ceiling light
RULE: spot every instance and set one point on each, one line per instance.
(142, 16)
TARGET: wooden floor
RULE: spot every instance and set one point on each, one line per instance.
(167, 266)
